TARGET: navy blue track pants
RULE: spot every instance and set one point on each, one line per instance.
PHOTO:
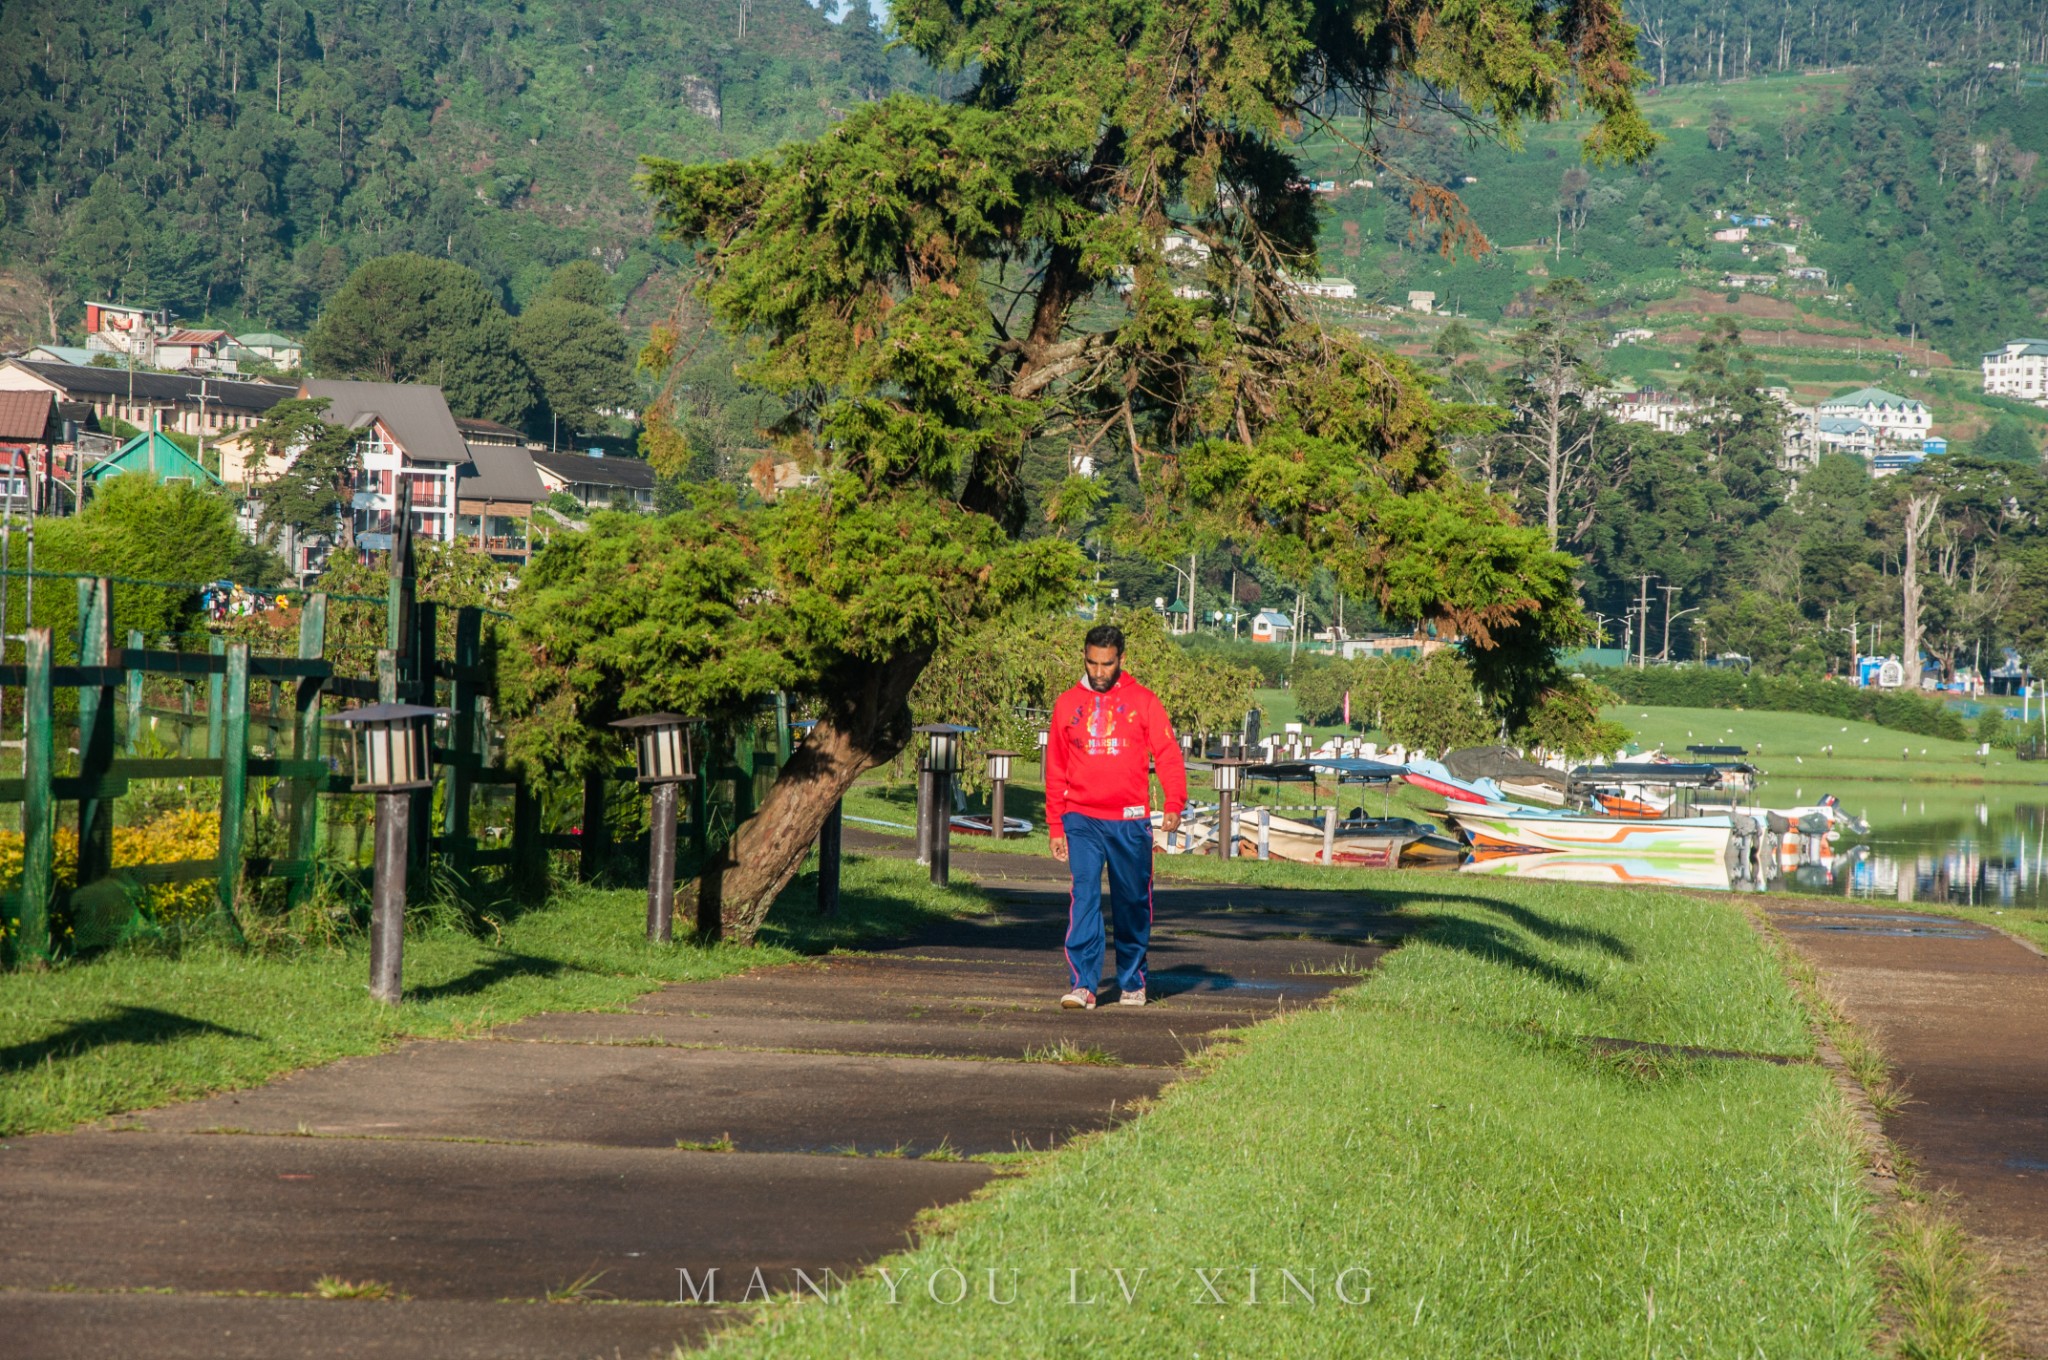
(1126, 847)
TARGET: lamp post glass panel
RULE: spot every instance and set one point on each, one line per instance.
(393, 751)
(942, 759)
(664, 757)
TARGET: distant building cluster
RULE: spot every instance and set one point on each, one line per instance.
(1887, 430)
(146, 397)
(2018, 369)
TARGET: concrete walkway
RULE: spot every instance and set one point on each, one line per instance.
(795, 1118)
(1962, 1013)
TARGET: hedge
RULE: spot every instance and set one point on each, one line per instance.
(1701, 687)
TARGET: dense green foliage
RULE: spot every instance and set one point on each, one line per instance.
(411, 319)
(1701, 687)
(241, 159)
(131, 527)
(303, 467)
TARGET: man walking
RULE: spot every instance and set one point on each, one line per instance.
(1098, 806)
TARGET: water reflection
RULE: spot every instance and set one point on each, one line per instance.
(1963, 847)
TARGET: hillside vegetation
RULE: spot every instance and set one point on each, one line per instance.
(240, 159)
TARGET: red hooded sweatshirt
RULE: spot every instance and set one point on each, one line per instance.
(1096, 755)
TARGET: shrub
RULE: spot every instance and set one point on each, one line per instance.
(1705, 687)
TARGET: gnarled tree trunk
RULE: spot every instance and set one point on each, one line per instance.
(866, 721)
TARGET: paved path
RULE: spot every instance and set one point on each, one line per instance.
(476, 1177)
(1962, 1012)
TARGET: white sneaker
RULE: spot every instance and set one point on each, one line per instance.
(1131, 998)
(1080, 999)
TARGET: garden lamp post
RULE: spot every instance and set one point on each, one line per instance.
(942, 760)
(1225, 773)
(393, 750)
(664, 760)
(998, 776)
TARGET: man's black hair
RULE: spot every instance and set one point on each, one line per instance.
(1105, 635)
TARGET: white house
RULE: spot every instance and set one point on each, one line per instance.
(1894, 419)
(278, 350)
(2019, 369)
(1270, 625)
(1421, 301)
(1664, 411)
(1732, 234)
(1329, 286)
(408, 437)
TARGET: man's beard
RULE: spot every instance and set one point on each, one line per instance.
(1103, 686)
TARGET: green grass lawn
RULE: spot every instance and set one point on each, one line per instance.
(135, 1028)
(1444, 1134)
(1788, 745)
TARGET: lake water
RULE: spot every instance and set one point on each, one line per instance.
(1953, 845)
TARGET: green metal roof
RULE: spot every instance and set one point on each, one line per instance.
(156, 457)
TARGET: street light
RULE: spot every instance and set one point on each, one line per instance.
(935, 793)
(663, 759)
(393, 755)
(998, 776)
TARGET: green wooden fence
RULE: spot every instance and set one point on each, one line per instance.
(113, 688)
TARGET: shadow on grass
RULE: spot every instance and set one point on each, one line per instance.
(1545, 928)
(1494, 945)
(127, 1025)
(501, 969)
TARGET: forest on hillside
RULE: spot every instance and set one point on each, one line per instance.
(239, 159)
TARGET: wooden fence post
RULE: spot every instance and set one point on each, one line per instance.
(743, 782)
(38, 810)
(465, 747)
(136, 696)
(215, 730)
(95, 730)
(234, 783)
(420, 824)
(590, 853)
(305, 828)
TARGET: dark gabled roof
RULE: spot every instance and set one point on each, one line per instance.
(415, 413)
(497, 473)
(478, 430)
(630, 473)
(250, 398)
(25, 416)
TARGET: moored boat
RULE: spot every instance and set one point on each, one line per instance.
(1698, 837)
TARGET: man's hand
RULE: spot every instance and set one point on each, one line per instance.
(1059, 849)
(1170, 823)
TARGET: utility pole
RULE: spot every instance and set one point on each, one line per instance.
(1669, 591)
(1643, 613)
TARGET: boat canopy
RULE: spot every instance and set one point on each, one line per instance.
(1348, 769)
(1718, 750)
(1501, 765)
(1673, 775)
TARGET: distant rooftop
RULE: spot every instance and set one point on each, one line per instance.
(1874, 396)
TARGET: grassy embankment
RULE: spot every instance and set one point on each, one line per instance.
(1793, 745)
(135, 1028)
(1446, 1132)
